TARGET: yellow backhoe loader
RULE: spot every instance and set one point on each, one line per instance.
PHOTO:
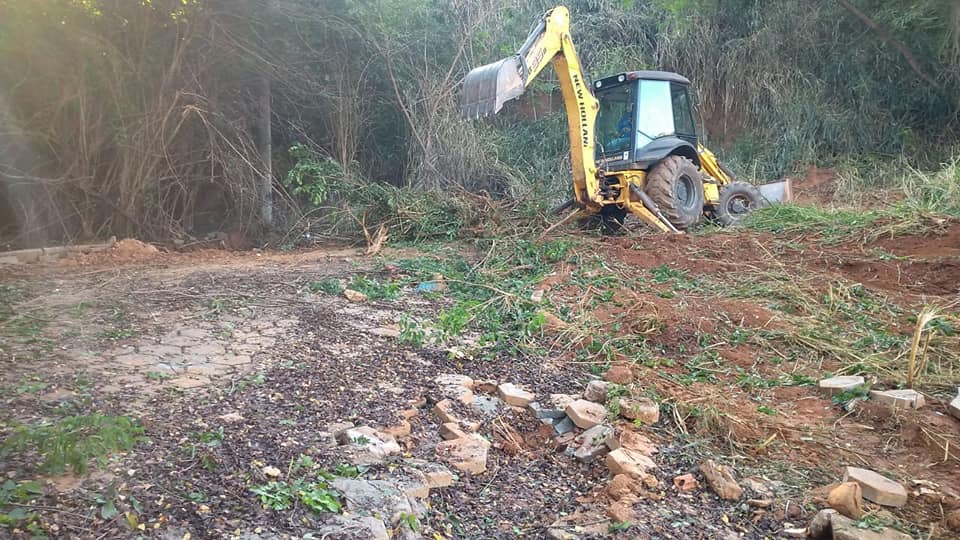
(633, 139)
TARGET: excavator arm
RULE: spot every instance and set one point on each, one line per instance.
(488, 87)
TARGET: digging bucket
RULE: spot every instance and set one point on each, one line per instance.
(487, 88)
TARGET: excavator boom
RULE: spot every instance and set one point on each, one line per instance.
(487, 88)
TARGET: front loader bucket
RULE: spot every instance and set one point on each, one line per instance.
(487, 88)
(777, 192)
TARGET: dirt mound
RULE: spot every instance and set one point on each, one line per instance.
(946, 244)
(128, 250)
(922, 277)
(817, 186)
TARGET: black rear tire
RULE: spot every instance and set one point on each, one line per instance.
(738, 199)
(676, 186)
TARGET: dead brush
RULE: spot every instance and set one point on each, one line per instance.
(934, 354)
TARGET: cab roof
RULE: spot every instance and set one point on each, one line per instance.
(644, 75)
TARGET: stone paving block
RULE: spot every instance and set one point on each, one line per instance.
(190, 381)
(906, 399)
(838, 385)
(876, 487)
(586, 414)
(262, 341)
(230, 359)
(196, 333)
(206, 349)
(160, 350)
(136, 359)
(511, 394)
(175, 340)
(209, 370)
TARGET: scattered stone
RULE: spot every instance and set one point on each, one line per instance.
(795, 532)
(721, 481)
(622, 485)
(838, 385)
(685, 482)
(907, 399)
(620, 512)
(450, 431)
(416, 487)
(580, 524)
(847, 499)
(643, 409)
(352, 527)
(388, 331)
(542, 413)
(377, 497)
(592, 443)
(354, 296)
(650, 482)
(623, 461)
(953, 520)
(467, 454)
(760, 503)
(596, 391)
(452, 379)
(954, 407)
(552, 322)
(444, 411)
(369, 442)
(271, 472)
(231, 418)
(511, 394)
(487, 405)
(434, 474)
(761, 487)
(586, 414)
(560, 401)
(487, 387)
(536, 296)
(619, 374)
(876, 487)
(846, 529)
(564, 426)
(439, 478)
(819, 527)
(398, 431)
(631, 440)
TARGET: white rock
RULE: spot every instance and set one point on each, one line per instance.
(596, 391)
(955, 406)
(511, 394)
(586, 414)
(838, 385)
(907, 399)
(876, 487)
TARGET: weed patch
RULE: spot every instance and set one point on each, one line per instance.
(74, 441)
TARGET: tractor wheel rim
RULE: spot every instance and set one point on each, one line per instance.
(684, 192)
(738, 205)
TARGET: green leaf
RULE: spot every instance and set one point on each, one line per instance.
(108, 510)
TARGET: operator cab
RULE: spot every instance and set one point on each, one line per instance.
(644, 117)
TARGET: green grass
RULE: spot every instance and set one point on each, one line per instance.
(74, 441)
(490, 298)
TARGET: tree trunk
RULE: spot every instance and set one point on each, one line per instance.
(264, 143)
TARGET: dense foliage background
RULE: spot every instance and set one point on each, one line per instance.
(147, 117)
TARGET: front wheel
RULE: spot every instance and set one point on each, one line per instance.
(738, 199)
(676, 186)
